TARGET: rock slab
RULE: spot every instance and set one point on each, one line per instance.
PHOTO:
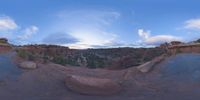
(146, 67)
(91, 85)
(28, 65)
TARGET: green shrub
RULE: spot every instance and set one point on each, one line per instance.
(59, 60)
(26, 55)
(95, 61)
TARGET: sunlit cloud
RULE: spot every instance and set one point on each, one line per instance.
(192, 24)
(7, 23)
(89, 27)
(157, 39)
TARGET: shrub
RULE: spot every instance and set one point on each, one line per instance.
(25, 54)
(59, 60)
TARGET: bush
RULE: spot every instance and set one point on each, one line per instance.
(25, 54)
(95, 61)
(59, 60)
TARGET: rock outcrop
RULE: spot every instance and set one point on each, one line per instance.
(184, 48)
(146, 67)
(92, 85)
(4, 45)
(28, 65)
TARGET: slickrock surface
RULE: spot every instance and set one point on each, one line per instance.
(175, 78)
(91, 85)
(146, 67)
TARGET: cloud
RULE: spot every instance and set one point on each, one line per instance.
(157, 39)
(7, 23)
(192, 24)
(89, 27)
(94, 17)
(28, 32)
(59, 38)
(143, 34)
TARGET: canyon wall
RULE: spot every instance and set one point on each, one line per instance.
(184, 48)
(112, 58)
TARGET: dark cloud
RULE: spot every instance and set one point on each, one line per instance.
(59, 38)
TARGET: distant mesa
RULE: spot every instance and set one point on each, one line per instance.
(3, 40)
(176, 42)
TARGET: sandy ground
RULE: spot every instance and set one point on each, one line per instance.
(47, 83)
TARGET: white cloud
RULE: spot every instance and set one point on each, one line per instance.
(87, 39)
(90, 27)
(192, 24)
(157, 39)
(28, 32)
(6, 23)
(143, 34)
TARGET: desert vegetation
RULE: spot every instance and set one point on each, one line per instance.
(115, 58)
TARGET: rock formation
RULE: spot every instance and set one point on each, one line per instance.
(92, 85)
(4, 45)
(146, 67)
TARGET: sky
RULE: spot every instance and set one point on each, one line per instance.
(99, 23)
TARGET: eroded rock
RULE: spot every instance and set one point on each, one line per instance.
(92, 85)
(146, 67)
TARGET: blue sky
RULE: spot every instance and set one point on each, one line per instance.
(99, 23)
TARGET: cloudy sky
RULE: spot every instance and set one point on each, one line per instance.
(99, 23)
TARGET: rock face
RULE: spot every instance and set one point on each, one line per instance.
(146, 67)
(4, 45)
(28, 65)
(184, 48)
(92, 86)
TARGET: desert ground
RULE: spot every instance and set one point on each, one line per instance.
(175, 78)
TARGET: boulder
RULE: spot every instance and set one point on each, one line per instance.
(28, 65)
(91, 85)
